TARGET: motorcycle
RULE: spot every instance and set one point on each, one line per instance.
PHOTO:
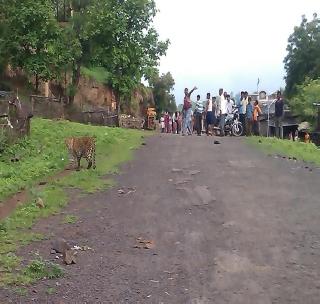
(232, 126)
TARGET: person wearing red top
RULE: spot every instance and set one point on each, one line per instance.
(187, 112)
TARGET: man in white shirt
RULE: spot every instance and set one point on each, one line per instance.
(243, 103)
(229, 105)
(209, 115)
(223, 110)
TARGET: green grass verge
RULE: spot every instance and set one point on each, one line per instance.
(36, 269)
(299, 150)
(44, 153)
(41, 155)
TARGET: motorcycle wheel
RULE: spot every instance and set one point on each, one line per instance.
(237, 129)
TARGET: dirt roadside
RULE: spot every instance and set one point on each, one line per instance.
(226, 224)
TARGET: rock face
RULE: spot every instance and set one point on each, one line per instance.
(90, 96)
(93, 94)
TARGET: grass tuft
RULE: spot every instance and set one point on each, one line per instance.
(50, 291)
(70, 219)
(40, 269)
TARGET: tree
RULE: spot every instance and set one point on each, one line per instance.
(78, 23)
(162, 87)
(303, 58)
(123, 41)
(35, 43)
(302, 102)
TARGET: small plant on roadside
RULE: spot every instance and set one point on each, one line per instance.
(9, 262)
(70, 219)
(40, 269)
(20, 291)
(3, 227)
(50, 291)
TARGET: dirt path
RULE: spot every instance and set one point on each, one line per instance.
(229, 225)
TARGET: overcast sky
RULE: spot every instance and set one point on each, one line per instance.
(228, 43)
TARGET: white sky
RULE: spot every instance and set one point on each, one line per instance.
(228, 43)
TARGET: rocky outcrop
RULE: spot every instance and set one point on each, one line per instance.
(91, 95)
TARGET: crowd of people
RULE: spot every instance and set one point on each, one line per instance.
(210, 116)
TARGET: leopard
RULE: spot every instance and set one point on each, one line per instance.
(82, 147)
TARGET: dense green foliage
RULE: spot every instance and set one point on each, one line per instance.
(303, 58)
(123, 41)
(47, 38)
(162, 87)
(302, 102)
(34, 42)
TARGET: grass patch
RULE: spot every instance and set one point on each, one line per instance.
(87, 181)
(42, 155)
(40, 269)
(21, 291)
(70, 219)
(36, 270)
(299, 150)
(9, 262)
(15, 230)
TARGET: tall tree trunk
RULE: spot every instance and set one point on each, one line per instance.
(46, 89)
(64, 11)
(117, 96)
(37, 84)
(75, 80)
(57, 9)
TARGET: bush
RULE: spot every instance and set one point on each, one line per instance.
(302, 102)
(40, 269)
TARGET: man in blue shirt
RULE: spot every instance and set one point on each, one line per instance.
(249, 115)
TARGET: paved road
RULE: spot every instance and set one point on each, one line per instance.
(229, 225)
